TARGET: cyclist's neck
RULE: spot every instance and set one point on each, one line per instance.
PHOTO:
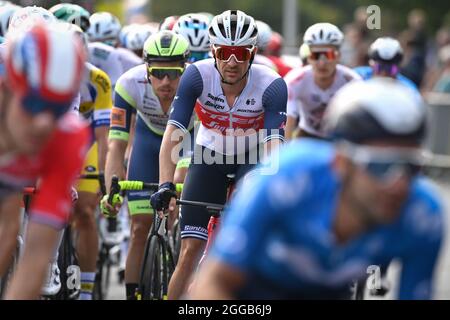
(324, 82)
(165, 105)
(347, 224)
(234, 90)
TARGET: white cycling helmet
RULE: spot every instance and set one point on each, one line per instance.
(233, 28)
(376, 109)
(7, 10)
(387, 50)
(33, 63)
(194, 27)
(104, 27)
(75, 29)
(123, 33)
(323, 33)
(264, 35)
(24, 18)
(136, 37)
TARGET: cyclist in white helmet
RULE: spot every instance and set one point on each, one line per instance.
(136, 36)
(103, 35)
(194, 27)
(26, 17)
(6, 12)
(333, 209)
(264, 35)
(104, 27)
(385, 56)
(241, 108)
(311, 87)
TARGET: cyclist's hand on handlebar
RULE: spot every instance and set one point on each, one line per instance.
(164, 198)
(111, 210)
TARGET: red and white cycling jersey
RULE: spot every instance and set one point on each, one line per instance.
(307, 102)
(219, 120)
(56, 166)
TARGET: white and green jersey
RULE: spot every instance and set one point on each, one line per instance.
(134, 94)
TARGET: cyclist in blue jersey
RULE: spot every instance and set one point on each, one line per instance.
(385, 56)
(334, 209)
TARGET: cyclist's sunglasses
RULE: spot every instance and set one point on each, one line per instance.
(35, 105)
(385, 68)
(329, 54)
(386, 165)
(240, 53)
(161, 72)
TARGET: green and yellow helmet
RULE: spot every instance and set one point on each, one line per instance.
(72, 13)
(166, 46)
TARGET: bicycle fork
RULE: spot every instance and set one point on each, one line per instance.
(213, 224)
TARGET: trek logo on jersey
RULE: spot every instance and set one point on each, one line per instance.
(251, 101)
(118, 117)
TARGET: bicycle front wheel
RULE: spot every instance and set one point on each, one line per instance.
(154, 279)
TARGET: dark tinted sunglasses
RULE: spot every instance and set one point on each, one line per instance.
(35, 105)
(386, 164)
(386, 171)
(162, 72)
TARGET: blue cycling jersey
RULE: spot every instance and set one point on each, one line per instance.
(366, 72)
(279, 232)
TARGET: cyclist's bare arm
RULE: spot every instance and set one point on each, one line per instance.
(10, 225)
(101, 136)
(131, 138)
(272, 146)
(168, 155)
(114, 160)
(291, 125)
(217, 281)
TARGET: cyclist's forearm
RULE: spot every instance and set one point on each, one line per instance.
(168, 155)
(131, 137)
(114, 161)
(217, 281)
(272, 146)
(101, 136)
(291, 124)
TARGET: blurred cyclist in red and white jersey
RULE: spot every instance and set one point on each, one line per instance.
(311, 87)
(168, 23)
(264, 34)
(39, 140)
(273, 52)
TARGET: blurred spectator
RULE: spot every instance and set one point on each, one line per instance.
(357, 39)
(355, 45)
(414, 42)
(443, 84)
(434, 64)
